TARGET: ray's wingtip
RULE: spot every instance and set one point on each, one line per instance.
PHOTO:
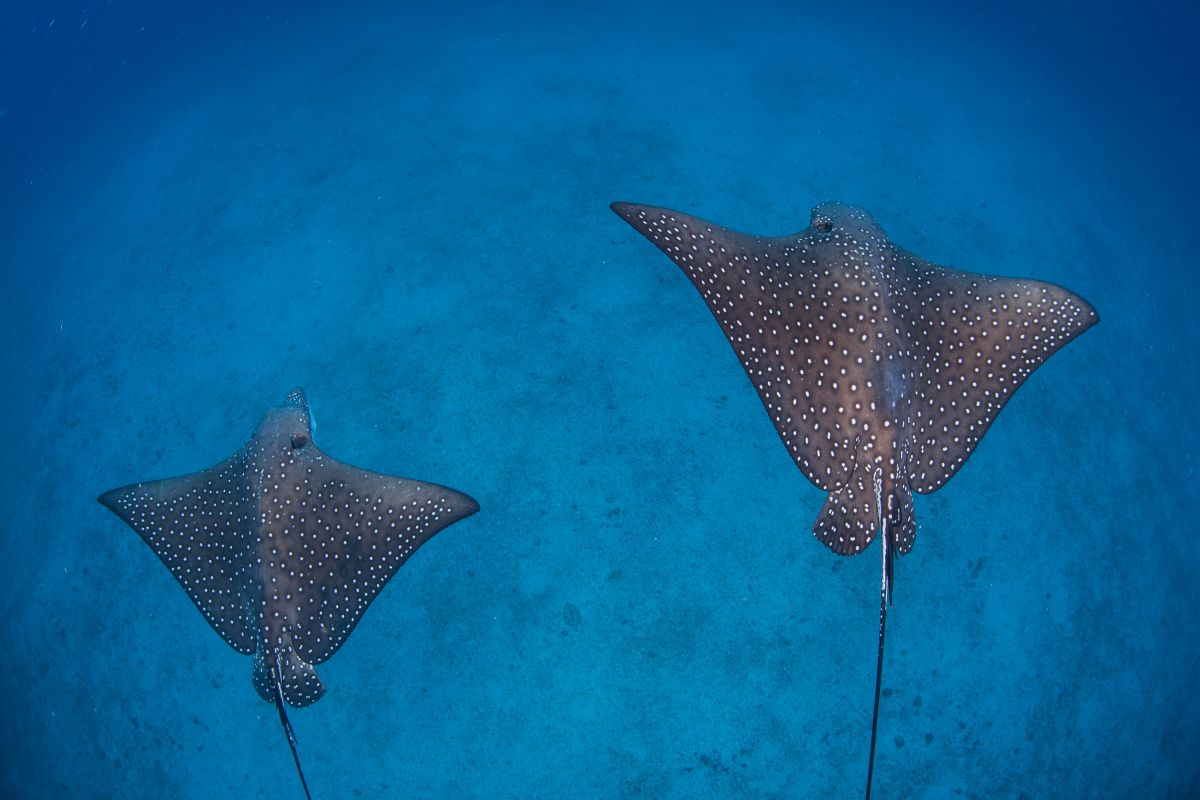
(1091, 315)
(467, 505)
(622, 208)
(634, 213)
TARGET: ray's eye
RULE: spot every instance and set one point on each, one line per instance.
(298, 441)
(822, 224)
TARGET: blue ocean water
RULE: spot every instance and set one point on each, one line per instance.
(404, 209)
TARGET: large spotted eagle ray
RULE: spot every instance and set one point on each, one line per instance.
(282, 548)
(880, 370)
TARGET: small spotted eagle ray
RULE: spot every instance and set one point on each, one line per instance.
(282, 548)
(880, 371)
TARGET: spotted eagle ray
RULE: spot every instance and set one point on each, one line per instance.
(880, 371)
(282, 548)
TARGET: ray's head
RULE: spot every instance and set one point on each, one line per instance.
(288, 426)
(833, 221)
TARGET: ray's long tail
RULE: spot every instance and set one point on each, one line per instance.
(885, 600)
(287, 728)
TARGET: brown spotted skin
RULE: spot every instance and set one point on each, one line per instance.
(871, 363)
(281, 547)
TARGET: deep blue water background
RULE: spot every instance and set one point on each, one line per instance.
(405, 211)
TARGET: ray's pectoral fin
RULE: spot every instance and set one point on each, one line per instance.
(379, 522)
(298, 680)
(979, 337)
(199, 527)
(849, 521)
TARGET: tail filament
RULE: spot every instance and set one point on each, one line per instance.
(885, 600)
(287, 728)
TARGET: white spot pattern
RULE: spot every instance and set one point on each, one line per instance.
(865, 356)
(281, 547)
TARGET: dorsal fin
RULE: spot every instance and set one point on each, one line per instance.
(848, 521)
(298, 682)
